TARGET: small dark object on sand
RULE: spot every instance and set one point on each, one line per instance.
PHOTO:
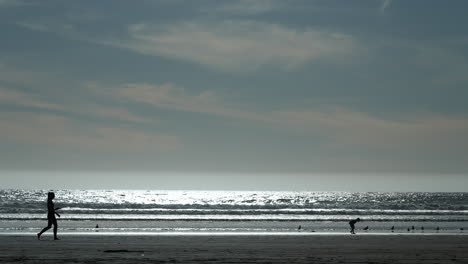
(366, 228)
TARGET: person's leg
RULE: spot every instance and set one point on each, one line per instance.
(55, 229)
(49, 225)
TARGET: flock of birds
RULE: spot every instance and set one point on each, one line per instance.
(365, 228)
(410, 229)
(393, 228)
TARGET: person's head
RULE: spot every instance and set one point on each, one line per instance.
(358, 219)
(50, 196)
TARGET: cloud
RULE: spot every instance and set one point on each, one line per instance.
(114, 113)
(384, 5)
(229, 45)
(13, 3)
(247, 7)
(34, 26)
(14, 97)
(27, 77)
(340, 127)
(170, 96)
(56, 130)
(236, 45)
(417, 134)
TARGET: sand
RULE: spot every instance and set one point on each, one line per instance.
(236, 249)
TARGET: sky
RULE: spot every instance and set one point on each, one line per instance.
(364, 95)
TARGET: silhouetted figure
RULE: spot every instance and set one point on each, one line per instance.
(437, 229)
(50, 216)
(412, 228)
(408, 229)
(97, 226)
(422, 228)
(352, 223)
(366, 228)
(299, 228)
(393, 228)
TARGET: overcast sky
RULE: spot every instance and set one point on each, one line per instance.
(235, 94)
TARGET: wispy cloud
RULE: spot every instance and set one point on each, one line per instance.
(56, 130)
(14, 97)
(170, 96)
(229, 45)
(339, 128)
(247, 7)
(384, 4)
(33, 26)
(60, 127)
(236, 45)
(416, 134)
(14, 3)
(342, 127)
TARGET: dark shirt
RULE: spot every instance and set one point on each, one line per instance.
(352, 222)
(51, 209)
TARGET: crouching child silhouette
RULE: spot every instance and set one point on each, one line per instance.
(352, 223)
(50, 216)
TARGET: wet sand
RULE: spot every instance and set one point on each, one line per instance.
(236, 249)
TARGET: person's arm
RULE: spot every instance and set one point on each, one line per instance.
(55, 211)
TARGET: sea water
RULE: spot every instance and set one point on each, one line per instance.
(153, 211)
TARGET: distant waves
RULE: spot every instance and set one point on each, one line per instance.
(118, 205)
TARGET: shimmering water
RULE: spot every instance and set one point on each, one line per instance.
(233, 211)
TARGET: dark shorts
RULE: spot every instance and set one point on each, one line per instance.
(52, 220)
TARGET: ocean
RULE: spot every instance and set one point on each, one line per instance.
(264, 212)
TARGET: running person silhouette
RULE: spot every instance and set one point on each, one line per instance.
(50, 216)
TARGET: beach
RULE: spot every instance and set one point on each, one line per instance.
(219, 248)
